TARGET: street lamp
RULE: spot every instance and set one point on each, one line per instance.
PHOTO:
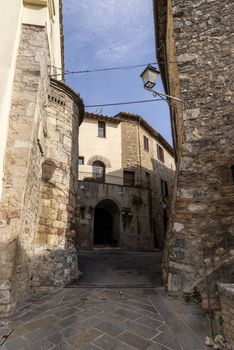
(149, 77)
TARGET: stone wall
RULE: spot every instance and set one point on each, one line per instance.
(197, 35)
(132, 216)
(21, 201)
(55, 260)
(226, 294)
(136, 159)
(130, 147)
(40, 139)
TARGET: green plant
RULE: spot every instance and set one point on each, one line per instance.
(136, 200)
(188, 297)
(221, 320)
(89, 179)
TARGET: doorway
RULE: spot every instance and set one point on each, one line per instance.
(103, 227)
(106, 224)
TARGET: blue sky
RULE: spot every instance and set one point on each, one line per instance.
(110, 33)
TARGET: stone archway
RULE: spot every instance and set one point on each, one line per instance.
(106, 223)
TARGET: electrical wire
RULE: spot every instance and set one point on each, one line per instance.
(123, 103)
(111, 68)
(99, 70)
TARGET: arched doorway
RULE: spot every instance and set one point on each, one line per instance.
(99, 170)
(106, 223)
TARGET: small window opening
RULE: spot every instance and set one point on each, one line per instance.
(146, 143)
(81, 160)
(164, 188)
(101, 129)
(160, 153)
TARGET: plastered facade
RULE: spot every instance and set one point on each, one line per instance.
(108, 148)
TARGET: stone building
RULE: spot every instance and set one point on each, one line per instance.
(126, 171)
(193, 40)
(39, 119)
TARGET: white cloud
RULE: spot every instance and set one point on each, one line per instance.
(113, 29)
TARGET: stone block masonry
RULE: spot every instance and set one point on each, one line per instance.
(226, 294)
(55, 256)
(197, 35)
(20, 206)
(39, 203)
(141, 161)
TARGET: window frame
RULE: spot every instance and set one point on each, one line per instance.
(146, 143)
(81, 158)
(101, 128)
(147, 178)
(164, 188)
(160, 153)
(99, 171)
(131, 184)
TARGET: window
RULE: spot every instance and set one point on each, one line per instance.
(101, 129)
(147, 178)
(160, 153)
(164, 188)
(129, 178)
(81, 160)
(99, 170)
(146, 143)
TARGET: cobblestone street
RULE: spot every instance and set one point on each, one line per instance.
(89, 318)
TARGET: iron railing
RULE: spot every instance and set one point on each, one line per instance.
(110, 179)
(98, 177)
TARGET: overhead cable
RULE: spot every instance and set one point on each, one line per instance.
(99, 69)
(124, 103)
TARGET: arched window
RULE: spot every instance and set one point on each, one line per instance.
(99, 171)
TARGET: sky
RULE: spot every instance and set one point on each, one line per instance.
(111, 33)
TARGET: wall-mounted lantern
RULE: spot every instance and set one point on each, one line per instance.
(149, 77)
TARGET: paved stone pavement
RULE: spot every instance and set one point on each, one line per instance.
(100, 318)
(120, 318)
(120, 268)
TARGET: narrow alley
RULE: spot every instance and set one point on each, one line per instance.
(119, 303)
